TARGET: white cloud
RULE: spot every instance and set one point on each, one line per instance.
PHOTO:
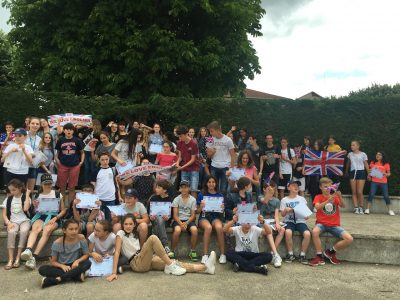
(4, 16)
(354, 43)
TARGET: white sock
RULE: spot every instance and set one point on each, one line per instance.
(302, 253)
(290, 252)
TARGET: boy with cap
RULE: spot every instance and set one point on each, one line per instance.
(188, 158)
(184, 216)
(328, 219)
(17, 157)
(133, 206)
(293, 223)
(70, 157)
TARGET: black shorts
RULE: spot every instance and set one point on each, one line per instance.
(283, 182)
(300, 227)
(358, 175)
(174, 224)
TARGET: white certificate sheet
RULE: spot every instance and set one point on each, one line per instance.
(155, 148)
(376, 173)
(160, 209)
(88, 201)
(117, 210)
(121, 169)
(247, 208)
(236, 173)
(48, 205)
(248, 218)
(302, 211)
(99, 269)
(38, 158)
(213, 204)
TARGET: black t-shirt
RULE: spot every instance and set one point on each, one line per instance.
(69, 151)
(271, 164)
(255, 155)
(145, 186)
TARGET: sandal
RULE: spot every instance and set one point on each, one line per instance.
(16, 264)
(9, 265)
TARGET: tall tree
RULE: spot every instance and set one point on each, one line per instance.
(136, 48)
(5, 60)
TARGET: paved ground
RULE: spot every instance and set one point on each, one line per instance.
(295, 281)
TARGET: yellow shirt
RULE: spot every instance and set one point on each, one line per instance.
(333, 148)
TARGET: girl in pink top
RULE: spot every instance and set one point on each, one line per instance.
(378, 175)
(246, 162)
(167, 158)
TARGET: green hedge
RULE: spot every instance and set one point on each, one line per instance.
(373, 121)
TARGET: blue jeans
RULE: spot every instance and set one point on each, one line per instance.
(89, 166)
(336, 231)
(374, 188)
(247, 261)
(220, 173)
(193, 178)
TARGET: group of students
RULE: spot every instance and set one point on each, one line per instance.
(205, 162)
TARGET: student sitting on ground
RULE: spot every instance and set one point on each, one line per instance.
(328, 219)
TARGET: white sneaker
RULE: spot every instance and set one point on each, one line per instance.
(31, 263)
(174, 269)
(391, 213)
(204, 259)
(277, 261)
(210, 263)
(366, 211)
(356, 211)
(120, 270)
(222, 259)
(360, 211)
(26, 255)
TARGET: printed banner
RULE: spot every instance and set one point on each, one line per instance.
(140, 170)
(69, 118)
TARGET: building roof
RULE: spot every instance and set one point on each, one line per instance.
(310, 95)
(253, 94)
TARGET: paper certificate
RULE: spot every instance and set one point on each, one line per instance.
(249, 218)
(104, 268)
(38, 158)
(160, 209)
(213, 204)
(302, 211)
(376, 173)
(48, 205)
(247, 208)
(88, 201)
(121, 169)
(117, 210)
(155, 148)
(236, 173)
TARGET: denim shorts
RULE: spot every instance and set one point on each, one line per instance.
(336, 231)
(193, 178)
(300, 227)
(358, 175)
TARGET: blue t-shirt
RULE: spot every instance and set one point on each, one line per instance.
(211, 215)
(69, 151)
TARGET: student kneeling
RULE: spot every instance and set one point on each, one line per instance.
(246, 256)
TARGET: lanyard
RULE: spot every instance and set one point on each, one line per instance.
(34, 142)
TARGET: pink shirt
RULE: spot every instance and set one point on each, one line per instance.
(166, 159)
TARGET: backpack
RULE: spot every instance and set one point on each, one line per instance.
(29, 214)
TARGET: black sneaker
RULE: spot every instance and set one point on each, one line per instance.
(236, 267)
(303, 260)
(263, 269)
(48, 281)
(290, 258)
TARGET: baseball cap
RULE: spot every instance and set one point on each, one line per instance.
(184, 182)
(46, 178)
(20, 131)
(293, 181)
(132, 193)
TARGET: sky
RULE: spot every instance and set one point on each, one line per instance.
(330, 47)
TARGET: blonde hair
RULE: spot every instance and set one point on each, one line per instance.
(325, 180)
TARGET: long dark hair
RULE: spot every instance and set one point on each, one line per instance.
(384, 158)
(205, 187)
(132, 138)
(130, 216)
(65, 226)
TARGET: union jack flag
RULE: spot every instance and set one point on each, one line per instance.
(323, 163)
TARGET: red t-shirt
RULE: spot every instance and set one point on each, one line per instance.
(166, 159)
(328, 215)
(187, 150)
(383, 168)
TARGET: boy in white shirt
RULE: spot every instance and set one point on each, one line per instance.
(293, 223)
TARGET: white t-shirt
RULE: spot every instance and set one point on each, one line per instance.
(284, 166)
(185, 208)
(130, 244)
(292, 202)
(123, 148)
(222, 157)
(16, 162)
(105, 187)
(103, 247)
(33, 142)
(357, 160)
(247, 241)
(17, 211)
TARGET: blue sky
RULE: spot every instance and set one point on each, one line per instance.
(330, 47)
